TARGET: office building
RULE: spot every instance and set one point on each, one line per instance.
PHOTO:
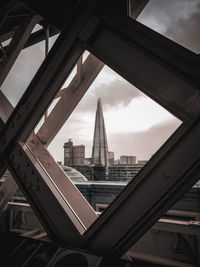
(127, 160)
(123, 172)
(73, 155)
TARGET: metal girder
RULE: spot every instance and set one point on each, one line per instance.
(47, 81)
(5, 110)
(168, 73)
(167, 176)
(7, 189)
(40, 36)
(9, 186)
(156, 260)
(159, 67)
(77, 201)
(60, 15)
(80, 218)
(70, 193)
(69, 99)
(5, 106)
(2, 165)
(135, 7)
(37, 185)
(54, 212)
(178, 226)
(17, 43)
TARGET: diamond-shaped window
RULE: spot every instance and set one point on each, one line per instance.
(101, 130)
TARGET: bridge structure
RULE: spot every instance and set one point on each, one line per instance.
(159, 67)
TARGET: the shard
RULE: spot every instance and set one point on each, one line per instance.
(100, 145)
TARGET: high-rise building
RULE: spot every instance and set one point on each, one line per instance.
(73, 155)
(125, 172)
(68, 151)
(100, 145)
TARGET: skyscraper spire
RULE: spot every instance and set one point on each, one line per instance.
(100, 145)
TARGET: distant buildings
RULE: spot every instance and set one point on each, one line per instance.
(73, 155)
(111, 158)
(102, 165)
(123, 172)
(88, 161)
(127, 160)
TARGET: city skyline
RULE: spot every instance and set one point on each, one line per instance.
(135, 124)
(163, 114)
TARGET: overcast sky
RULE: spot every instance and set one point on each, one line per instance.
(135, 124)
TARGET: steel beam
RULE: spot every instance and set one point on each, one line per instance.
(168, 75)
(135, 7)
(170, 173)
(47, 201)
(156, 260)
(47, 81)
(5, 106)
(32, 178)
(70, 193)
(159, 67)
(5, 109)
(7, 189)
(39, 36)
(178, 226)
(2, 166)
(17, 43)
(79, 69)
(69, 99)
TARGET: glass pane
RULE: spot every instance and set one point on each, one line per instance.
(175, 19)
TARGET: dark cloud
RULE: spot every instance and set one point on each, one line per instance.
(186, 31)
(178, 20)
(113, 94)
(118, 92)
